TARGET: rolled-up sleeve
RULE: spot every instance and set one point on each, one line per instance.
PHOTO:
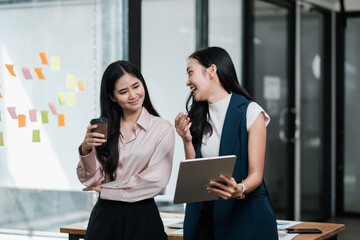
(89, 170)
(152, 180)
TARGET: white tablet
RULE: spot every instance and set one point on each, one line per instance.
(195, 175)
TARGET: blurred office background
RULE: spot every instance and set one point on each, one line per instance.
(299, 59)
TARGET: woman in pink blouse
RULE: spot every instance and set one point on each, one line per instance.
(133, 165)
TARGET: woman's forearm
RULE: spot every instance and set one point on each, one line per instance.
(189, 150)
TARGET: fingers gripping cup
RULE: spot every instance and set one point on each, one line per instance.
(102, 124)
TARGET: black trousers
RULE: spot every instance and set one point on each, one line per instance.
(115, 220)
(205, 227)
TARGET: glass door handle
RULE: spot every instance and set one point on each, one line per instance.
(282, 134)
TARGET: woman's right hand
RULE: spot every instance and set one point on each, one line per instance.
(182, 125)
(92, 139)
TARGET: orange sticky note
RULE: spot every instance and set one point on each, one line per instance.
(39, 73)
(61, 120)
(43, 58)
(0, 95)
(21, 118)
(10, 68)
(80, 85)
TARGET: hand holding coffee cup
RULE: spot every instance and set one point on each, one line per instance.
(96, 135)
(102, 124)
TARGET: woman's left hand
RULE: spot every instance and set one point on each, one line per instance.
(226, 188)
(95, 188)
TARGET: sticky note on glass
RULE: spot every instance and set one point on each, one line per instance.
(52, 108)
(70, 81)
(44, 116)
(1, 139)
(32, 114)
(39, 73)
(61, 120)
(61, 97)
(12, 112)
(22, 118)
(55, 63)
(26, 72)
(36, 136)
(71, 98)
(80, 85)
(43, 58)
(10, 68)
(0, 95)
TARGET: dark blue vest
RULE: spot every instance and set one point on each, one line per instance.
(251, 218)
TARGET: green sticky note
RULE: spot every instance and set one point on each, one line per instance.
(36, 136)
(55, 63)
(61, 97)
(70, 81)
(1, 139)
(71, 98)
(44, 116)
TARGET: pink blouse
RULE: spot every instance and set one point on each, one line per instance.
(145, 162)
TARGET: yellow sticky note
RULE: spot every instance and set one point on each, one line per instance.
(43, 58)
(10, 68)
(36, 136)
(71, 98)
(61, 97)
(61, 120)
(44, 116)
(55, 63)
(80, 85)
(21, 118)
(1, 139)
(70, 81)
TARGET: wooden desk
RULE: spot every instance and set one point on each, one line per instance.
(329, 230)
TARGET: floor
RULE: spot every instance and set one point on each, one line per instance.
(352, 227)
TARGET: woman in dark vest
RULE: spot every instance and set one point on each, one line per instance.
(223, 120)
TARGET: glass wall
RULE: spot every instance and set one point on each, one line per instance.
(352, 116)
(168, 38)
(225, 29)
(271, 91)
(314, 160)
(53, 54)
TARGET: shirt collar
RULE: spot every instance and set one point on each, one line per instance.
(143, 120)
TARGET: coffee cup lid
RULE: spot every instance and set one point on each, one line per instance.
(99, 120)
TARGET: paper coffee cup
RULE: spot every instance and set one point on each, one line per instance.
(102, 124)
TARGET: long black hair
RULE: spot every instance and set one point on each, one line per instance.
(199, 110)
(108, 153)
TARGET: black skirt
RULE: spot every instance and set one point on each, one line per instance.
(115, 220)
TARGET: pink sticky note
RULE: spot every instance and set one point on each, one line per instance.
(26, 72)
(52, 108)
(12, 112)
(32, 113)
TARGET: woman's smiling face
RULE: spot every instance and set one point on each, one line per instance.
(129, 93)
(198, 80)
